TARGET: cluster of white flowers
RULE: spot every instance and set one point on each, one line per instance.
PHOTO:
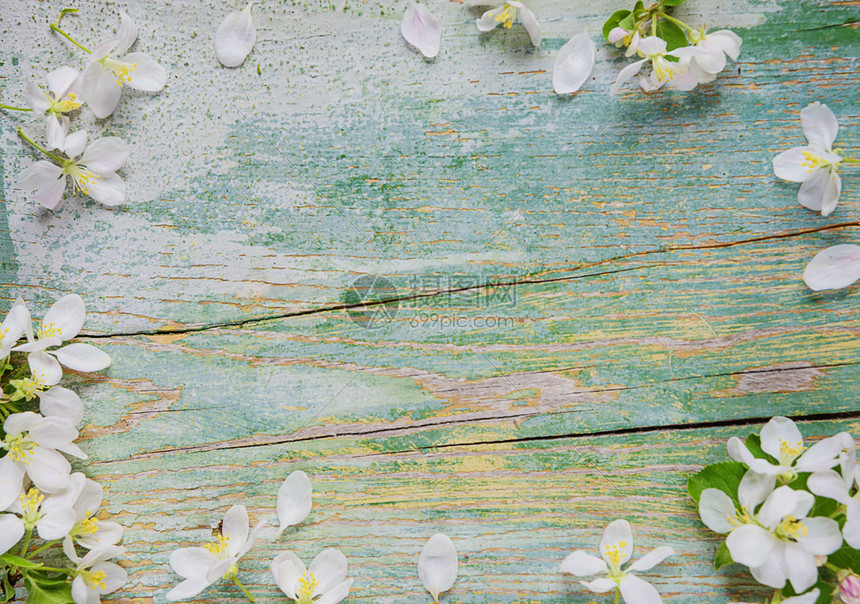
(38, 490)
(778, 520)
(93, 168)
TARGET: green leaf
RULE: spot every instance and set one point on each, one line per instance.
(613, 21)
(13, 560)
(723, 557)
(725, 476)
(674, 35)
(672, 2)
(753, 443)
(628, 22)
(43, 588)
(825, 591)
(8, 588)
(846, 557)
(639, 9)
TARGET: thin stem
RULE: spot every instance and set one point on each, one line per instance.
(11, 108)
(56, 158)
(832, 567)
(653, 33)
(242, 587)
(42, 548)
(617, 593)
(56, 27)
(851, 160)
(677, 22)
(26, 542)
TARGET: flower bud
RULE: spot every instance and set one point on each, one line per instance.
(849, 588)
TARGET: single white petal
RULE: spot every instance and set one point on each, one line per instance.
(487, 21)
(56, 130)
(62, 81)
(109, 190)
(754, 489)
(188, 589)
(830, 195)
(114, 576)
(573, 64)
(750, 544)
(581, 564)
(53, 433)
(145, 73)
(75, 143)
(812, 190)
(235, 38)
(61, 402)
(833, 268)
(329, 567)
(530, 22)
(850, 531)
(421, 29)
(18, 423)
(126, 35)
(221, 568)
(235, 528)
(336, 594)
(109, 533)
(822, 536)
(44, 367)
(791, 165)
(46, 180)
(777, 432)
(48, 470)
(819, 125)
(779, 504)
(617, 537)
(36, 98)
(685, 78)
(99, 89)
(14, 325)
(802, 571)
(727, 41)
(625, 74)
(807, 598)
(437, 565)
(636, 591)
(652, 45)
(652, 558)
(713, 62)
(192, 562)
(66, 316)
(11, 482)
(771, 570)
(107, 154)
(599, 586)
(11, 531)
(717, 510)
(822, 455)
(294, 499)
(828, 483)
(617, 34)
(56, 525)
(287, 569)
(82, 357)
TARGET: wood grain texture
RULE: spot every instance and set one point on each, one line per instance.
(592, 293)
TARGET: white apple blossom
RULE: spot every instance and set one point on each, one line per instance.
(504, 15)
(84, 498)
(573, 64)
(815, 165)
(13, 327)
(11, 483)
(50, 516)
(95, 576)
(781, 439)
(421, 29)
(834, 267)
(61, 402)
(779, 542)
(437, 565)
(32, 443)
(45, 371)
(841, 486)
(718, 511)
(62, 94)
(105, 74)
(235, 37)
(676, 73)
(718, 45)
(625, 37)
(93, 173)
(200, 567)
(325, 582)
(294, 500)
(616, 547)
(61, 323)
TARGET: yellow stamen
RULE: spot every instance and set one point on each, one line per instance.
(30, 504)
(69, 103)
(791, 528)
(307, 587)
(95, 579)
(788, 452)
(506, 17)
(87, 526)
(812, 162)
(20, 448)
(82, 178)
(48, 330)
(220, 547)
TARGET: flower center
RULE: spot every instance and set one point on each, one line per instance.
(663, 69)
(48, 330)
(812, 162)
(30, 504)
(506, 17)
(67, 104)
(27, 388)
(121, 70)
(95, 579)
(613, 554)
(87, 526)
(790, 528)
(741, 517)
(219, 549)
(307, 587)
(788, 451)
(82, 177)
(20, 448)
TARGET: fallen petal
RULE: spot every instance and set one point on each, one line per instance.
(833, 268)
(422, 30)
(573, 64)
(235, 38)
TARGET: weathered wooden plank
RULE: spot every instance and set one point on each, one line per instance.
(514, 509)
(349, 155)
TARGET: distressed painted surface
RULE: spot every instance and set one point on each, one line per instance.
(631, 272)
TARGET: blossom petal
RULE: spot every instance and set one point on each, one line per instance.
(821, 191)
(487, 21)
(421, 29)
(833, 268)
(44, 367)
(772, 572)
(61, 402)
(75, 143)
(107, 154)
(617, 535)
(652, 45)
(336, 593)
(147, 75)
(573, 64)
(636, 591)
(235, 528)
(287, 569)
(822, 455)
(717, 510)
(437, 564)
(11, 531)
(192, 562)
(48, 470)
(62, 81)
(822, 536)
(807, 598)
(750, 544)
(53, 432)
(46, 180)
(617, 34)
(599, 586)
(625, 74)
(56, 130)
(235, 38)
(99, 89)
(582, 565)
(81, 593)
(850, 531)
(66, 316)
(83, 357)
(108, 190)
(294, 499)
(221, 568)
(790, 165)
(819, 125)
(36, 98)
(329, 567)
(188, 589)
(114, 577)
(126, 35)
(252, 537)
(754, 489)
(779, 504)
(777, 432)
(802, 571)
(727, 41)
(11, 482)
(530, 22)
(652, 558)
(56, 525)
